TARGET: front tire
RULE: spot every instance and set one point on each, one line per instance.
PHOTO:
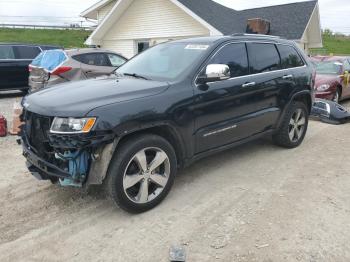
(337, 96)
(141, 173)
(294, 126)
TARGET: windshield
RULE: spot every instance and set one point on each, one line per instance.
(164, 62)
(329, 68)
(49, 60)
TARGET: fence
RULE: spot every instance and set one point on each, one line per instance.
(47, 27)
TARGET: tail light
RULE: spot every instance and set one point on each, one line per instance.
(30, 68)
(61, 70)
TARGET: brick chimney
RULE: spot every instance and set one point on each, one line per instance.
(258, 26)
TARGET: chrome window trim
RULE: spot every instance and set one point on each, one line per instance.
(249, 75)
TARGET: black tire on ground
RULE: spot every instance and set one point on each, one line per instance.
(121, 162)
(337, 96)
(282, 137)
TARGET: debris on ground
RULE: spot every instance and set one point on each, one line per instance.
(177, 254)
(262, 246)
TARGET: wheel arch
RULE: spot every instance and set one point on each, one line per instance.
(304, 97)
(163, 130)
(99, 169)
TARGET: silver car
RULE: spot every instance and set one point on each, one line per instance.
(58, 66)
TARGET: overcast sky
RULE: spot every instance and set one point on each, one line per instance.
(335, 14)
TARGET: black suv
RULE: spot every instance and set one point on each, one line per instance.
(164, 109)
(14, 62)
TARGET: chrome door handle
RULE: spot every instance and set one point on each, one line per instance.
(288, 77)
(249, 84)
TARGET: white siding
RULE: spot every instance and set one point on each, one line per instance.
(104, 11)
(153, 20)
(124, 47)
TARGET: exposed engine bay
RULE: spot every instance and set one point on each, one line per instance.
(65, 159)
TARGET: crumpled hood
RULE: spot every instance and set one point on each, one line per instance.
(326, 79)
(76, 99)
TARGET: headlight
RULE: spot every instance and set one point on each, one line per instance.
(72, 125)
(323, 87)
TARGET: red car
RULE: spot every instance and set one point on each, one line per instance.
(332, 77)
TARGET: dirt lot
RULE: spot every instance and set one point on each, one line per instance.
(254, 203)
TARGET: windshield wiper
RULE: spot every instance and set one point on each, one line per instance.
(136, 76)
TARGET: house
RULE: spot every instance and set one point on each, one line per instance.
(131, 26)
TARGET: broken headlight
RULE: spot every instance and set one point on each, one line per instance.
(72, 125)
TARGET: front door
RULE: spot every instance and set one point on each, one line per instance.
(224, 110)
(345, 79)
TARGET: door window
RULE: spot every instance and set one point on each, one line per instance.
(289, 57)
(26, 52)
(263, 58)
(142, 46)
(95, 59)
(235, 56)
(116, 60)
(6, 52)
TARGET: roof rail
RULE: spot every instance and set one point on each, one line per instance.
(256, 35)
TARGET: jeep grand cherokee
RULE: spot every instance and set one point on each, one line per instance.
(165, 108)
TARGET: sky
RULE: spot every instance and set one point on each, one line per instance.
(335, 14)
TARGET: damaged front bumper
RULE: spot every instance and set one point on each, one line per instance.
(74, 160)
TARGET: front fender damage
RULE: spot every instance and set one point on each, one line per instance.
(100, 163)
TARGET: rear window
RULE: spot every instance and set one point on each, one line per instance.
(289, 57)
(263, 58)
(26, 52)
(50, 59)
(6, 52)
(93, 59)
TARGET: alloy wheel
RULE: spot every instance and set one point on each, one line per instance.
(146, 175)
(297, 125)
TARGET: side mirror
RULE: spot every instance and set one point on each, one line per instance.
(214, 73)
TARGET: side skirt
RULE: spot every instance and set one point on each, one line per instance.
(213, 151)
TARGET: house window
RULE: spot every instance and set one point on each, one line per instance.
(142, 46)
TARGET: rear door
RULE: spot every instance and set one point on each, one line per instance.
(8, 65)
(267, 83)
(24, 56)
(296, 76)
(94, 64)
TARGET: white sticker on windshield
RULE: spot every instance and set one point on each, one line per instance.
(197, 47)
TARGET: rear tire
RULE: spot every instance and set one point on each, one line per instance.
(141, 173)
(294, 126)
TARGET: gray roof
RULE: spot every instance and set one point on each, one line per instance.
(288, 20)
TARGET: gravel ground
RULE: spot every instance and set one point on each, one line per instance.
(257, 202)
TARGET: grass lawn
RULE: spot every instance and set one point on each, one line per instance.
(64, 38)
(335, 45)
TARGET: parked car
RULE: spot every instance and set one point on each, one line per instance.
(165, 108)
(58, 66)
(14, 61)
(332, 78)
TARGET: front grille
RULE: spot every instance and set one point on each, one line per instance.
(37, 129)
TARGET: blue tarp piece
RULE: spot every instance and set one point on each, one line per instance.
(49, 59)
